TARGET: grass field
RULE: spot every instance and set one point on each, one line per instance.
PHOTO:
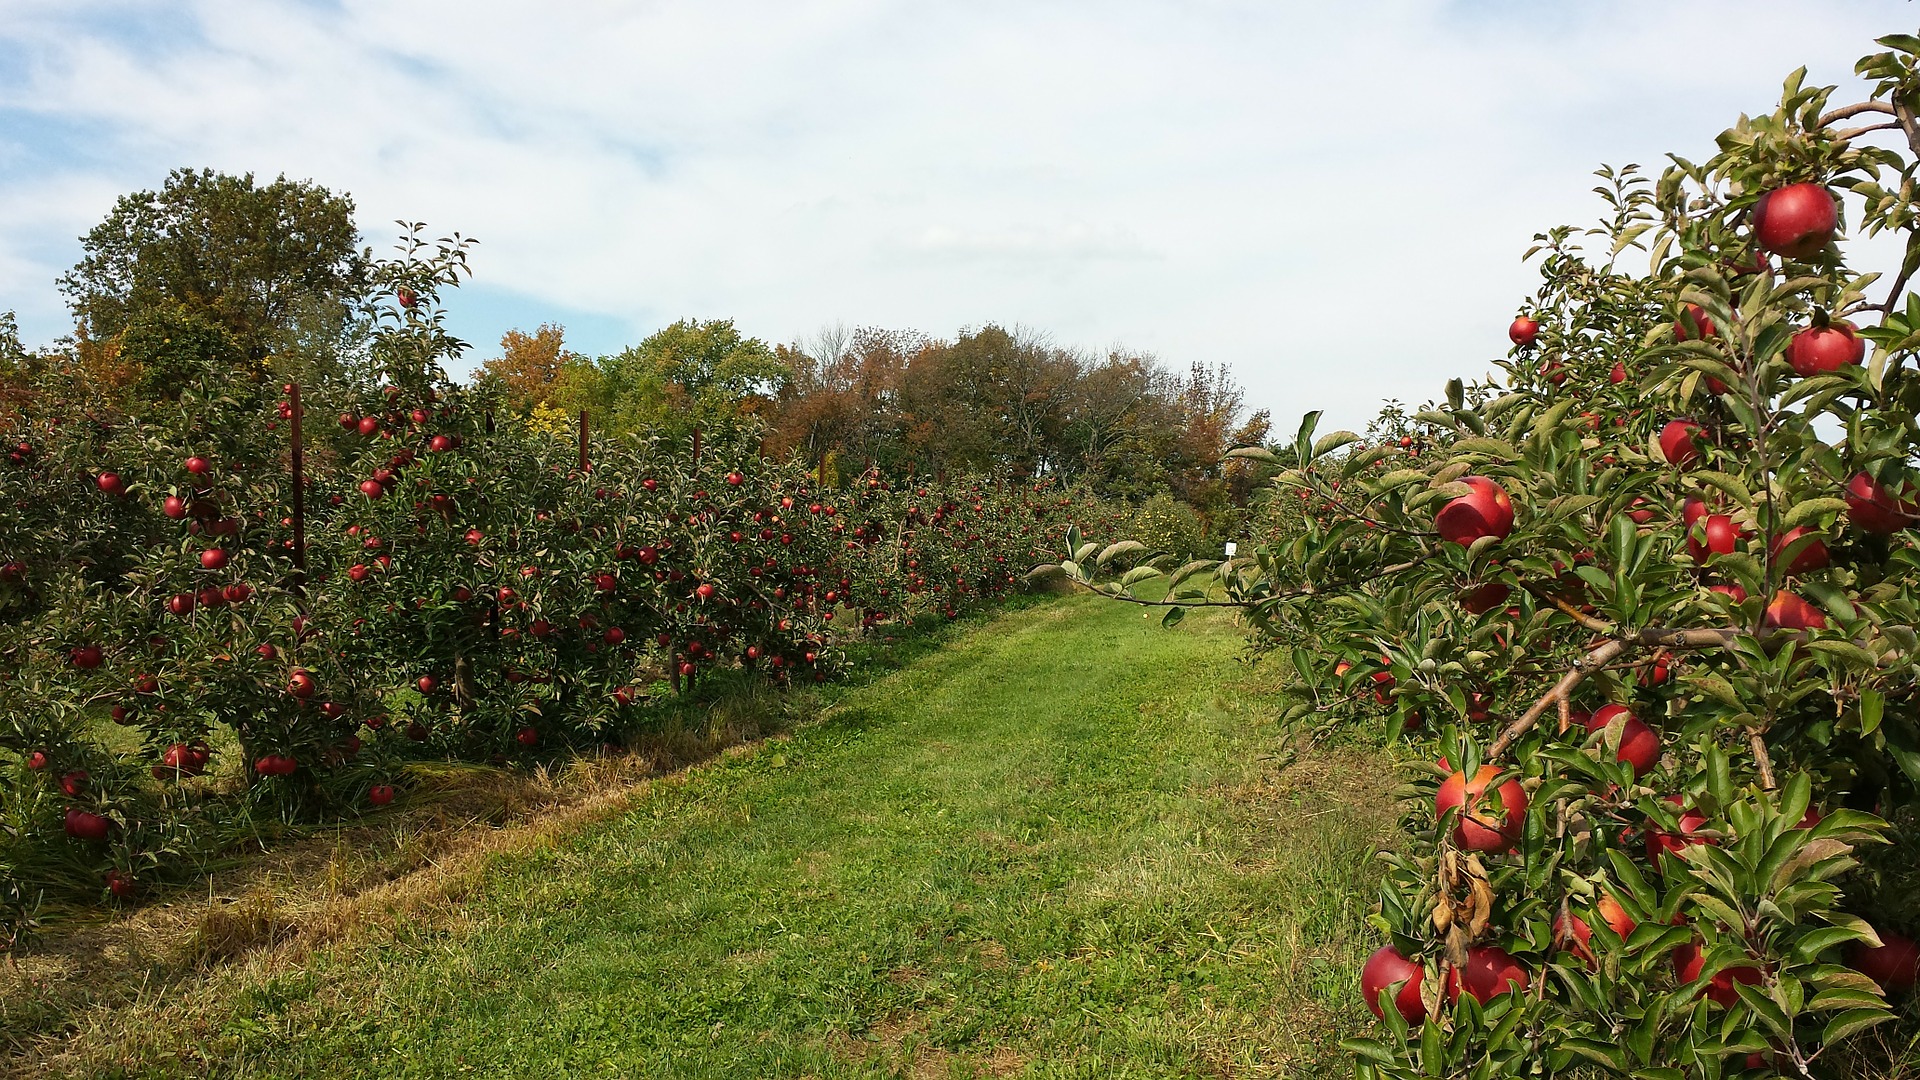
(1065, 845)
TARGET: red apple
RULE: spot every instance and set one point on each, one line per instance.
(199, 466)
(1813, 556)
(174, 507)
(1796, 221)
(1639, 745)
(86, 657)
(1523, 331)
(380, 794)
(1689, 961)
(1575, 933)
(1720, 535)
(213, 559)
(1483, 828)
(1679, 441)
(1788, 611)
(1872, 508)
(1691, 823)
(526, 736)
(1819, 350)
(1484, 598)
(1385, 968)
(427, 684)
(83, 825)
(1895, 965)
(1619, 372)
(1693, 318)
(372, 489)
(1485, 511)
(1489, 972)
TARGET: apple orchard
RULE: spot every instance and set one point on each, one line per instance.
(258, 606)
(1646, 612)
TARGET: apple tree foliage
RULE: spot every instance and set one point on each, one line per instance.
(1648, 607)
(187, 662)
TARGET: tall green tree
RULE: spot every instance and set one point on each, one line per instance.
(694, 374)
(275, 267)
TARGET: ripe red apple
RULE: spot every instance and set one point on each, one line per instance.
(605, 582)
(614, 635)
(1872, 508)
(119, 884)
(1385, 968)
(1731, 590)
(1489, 972)
(213, 559)
(37, 760)
(1689, 961)
(1639, 745)
(85, 657)
(84, 825)
(181, 604)
(1494, 827)
(75, 782)
(1619, 373)
(368, 425)
(704, 591)
(1484, 598)
(1813, 556)
(1576, 933)
(111, 483)
(1788, 611)
(1796, 221)
(1819, 350)
(526, 736)
(1691, 823)
(735, 478)
(199, 466)
(1895, 965)
(372, 489)
(427, 684)
(1485, 511)
(1720, 535)
(300, 684)
(440, 443)
(380, 794)
(1679, 441)
(1693, 318)
(174, 507)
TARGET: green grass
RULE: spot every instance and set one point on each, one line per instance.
(1060, 847)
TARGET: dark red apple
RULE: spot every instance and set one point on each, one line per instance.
(1812, 556)
(1796, 221)
(380, 794)
(1489, 972)
(1385, 968)
(1872, 508)
(84, 825)
(1895, 965)
(1691, 823)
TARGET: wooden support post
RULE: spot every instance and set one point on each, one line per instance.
(696, 447)
(299, 492)
(584, 466)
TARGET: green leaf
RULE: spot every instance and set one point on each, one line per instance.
(1173, 616)
(1254, 453)
(1329, 443)
(1735, 490)
(1852, 1021)
(1123, 547)
(1812, 509)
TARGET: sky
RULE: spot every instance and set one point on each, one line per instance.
(1331, 199)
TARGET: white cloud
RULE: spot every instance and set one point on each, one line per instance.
(1332, 199)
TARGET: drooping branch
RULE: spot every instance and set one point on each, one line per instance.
(1587, 665)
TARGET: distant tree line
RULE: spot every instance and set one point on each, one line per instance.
(270, 280)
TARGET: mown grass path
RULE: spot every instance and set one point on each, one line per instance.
(1061, 846)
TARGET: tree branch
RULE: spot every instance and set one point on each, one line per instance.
(1587, 664)
(1846, 111)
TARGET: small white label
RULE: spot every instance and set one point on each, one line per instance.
(1231, 548)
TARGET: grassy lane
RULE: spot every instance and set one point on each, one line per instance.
(1060, 847)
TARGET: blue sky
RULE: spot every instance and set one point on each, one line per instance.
(1330, 198)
